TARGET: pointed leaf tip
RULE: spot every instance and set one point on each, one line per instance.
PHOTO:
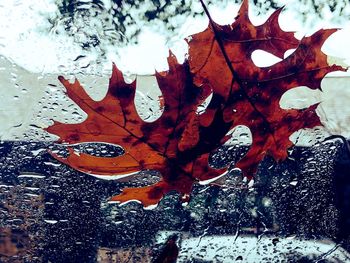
(243, 12)
(172, 60)
(61, 79)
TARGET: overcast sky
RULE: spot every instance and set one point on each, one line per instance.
(24, 39)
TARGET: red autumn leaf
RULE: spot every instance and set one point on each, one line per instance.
(249, 95)
(161, 145)
(178, 144)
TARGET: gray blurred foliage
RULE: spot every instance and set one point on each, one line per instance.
(97, 24)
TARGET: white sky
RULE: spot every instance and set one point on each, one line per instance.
(22, 40)
(25, 42)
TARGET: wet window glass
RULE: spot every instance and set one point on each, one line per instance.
(174, 131)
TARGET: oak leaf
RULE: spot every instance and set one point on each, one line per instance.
(249, 95)
(179, 142)
(161, 145)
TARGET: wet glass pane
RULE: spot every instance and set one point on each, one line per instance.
(142, 162)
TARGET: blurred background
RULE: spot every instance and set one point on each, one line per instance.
(87, 35)
(298, 211)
